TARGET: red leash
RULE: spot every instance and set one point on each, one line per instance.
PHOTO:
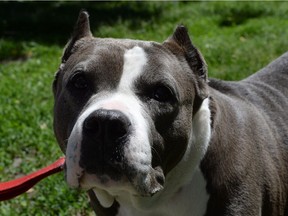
(11, 189)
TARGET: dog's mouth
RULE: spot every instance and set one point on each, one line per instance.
(112, 170)
(140, 182)
(130, 183)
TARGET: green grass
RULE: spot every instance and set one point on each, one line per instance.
(236, 39)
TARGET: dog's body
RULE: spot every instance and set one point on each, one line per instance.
(147, 133)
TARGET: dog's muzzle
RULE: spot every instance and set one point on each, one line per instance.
(105, 133)
(111, 149)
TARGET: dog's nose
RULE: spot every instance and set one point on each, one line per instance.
(108, 126)
(105, 133)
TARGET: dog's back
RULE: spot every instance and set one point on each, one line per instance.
(268, 91)
(261, 100)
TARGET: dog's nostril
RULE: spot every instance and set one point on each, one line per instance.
(93, 124)
(116, 129)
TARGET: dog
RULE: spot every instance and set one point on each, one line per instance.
(146, 133)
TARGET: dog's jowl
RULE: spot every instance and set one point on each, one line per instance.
(145, 132)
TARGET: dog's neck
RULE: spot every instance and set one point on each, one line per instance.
(173, 199)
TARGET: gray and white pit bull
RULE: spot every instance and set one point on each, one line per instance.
(145, 132)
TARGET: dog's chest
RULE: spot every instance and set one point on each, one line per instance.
(190, 199)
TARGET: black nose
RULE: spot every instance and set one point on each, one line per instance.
(104, 135)
(107, 126)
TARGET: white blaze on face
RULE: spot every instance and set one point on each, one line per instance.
(138, 150)
(134, 61)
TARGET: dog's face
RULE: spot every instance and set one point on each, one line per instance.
(124, 108)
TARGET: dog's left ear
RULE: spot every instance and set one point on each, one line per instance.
(81, 30)
(181, 39)
(180, 44)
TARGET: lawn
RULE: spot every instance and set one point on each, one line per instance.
(236, 39)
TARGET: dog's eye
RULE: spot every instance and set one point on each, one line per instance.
(162, 94)
(79, 81)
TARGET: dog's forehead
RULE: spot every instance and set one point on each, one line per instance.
(111, 47)
(109, 56)
(105, 62)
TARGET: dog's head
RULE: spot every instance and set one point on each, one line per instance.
(124, 109)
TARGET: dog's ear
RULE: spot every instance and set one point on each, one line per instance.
(181, 39)
(81, 30)
(180, 43)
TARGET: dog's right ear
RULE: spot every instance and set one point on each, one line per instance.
(81, 30)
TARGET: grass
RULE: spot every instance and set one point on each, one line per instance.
(236, 38)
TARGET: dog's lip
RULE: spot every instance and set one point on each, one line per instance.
(153, 183)
(146, 184)
(139, 190)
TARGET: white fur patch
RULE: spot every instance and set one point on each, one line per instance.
(73, 170)
(134, 61)
(138, 151)
(201, 132)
